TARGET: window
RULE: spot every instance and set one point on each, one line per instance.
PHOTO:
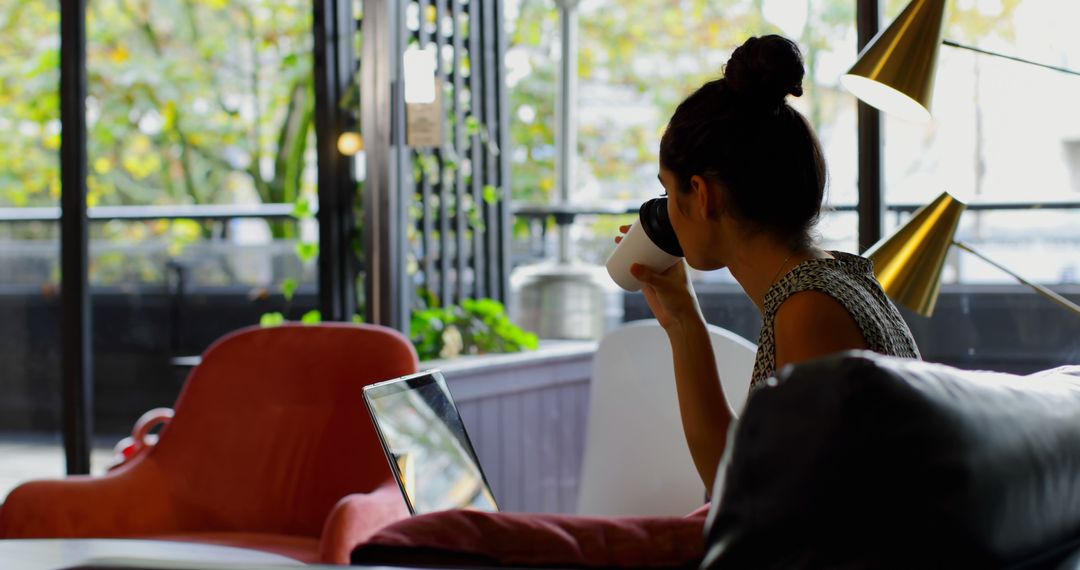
(1003, 132)
(201, 187)
(29, 241)
(638, 60)
(194, 106)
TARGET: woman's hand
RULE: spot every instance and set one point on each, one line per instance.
(670, 294)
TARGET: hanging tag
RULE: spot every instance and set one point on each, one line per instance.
(424, 121)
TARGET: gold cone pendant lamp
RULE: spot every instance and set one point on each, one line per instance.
(909, 263)
(895, 71)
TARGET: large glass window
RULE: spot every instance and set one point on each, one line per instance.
(638, 60)
(1003, 132)
(29, 242)
(202, 161)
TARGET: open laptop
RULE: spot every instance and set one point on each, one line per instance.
(427, 447)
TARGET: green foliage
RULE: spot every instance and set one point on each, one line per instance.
(477, 326)
(472, 125)
(662, 51)
(307, 251)
(535, 33)
(275, 319)
(302, 209)
(271, 319)
(288, 288)
(971, 22)
(491, 194)
(190, 102)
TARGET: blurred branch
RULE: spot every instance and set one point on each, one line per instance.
(253, 78)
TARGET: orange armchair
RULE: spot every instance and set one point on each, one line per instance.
(270, 448)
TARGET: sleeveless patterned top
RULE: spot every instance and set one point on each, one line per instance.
(850, 280)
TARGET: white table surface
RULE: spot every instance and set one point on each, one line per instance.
(54, 554)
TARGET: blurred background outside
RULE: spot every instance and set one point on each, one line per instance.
(203, 178)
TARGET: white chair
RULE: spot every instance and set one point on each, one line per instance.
(636, 459)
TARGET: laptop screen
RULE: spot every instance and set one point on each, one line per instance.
(426, 444)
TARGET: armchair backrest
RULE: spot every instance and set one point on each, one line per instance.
(271, 430)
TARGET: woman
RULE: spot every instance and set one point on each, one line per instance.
(745, 176)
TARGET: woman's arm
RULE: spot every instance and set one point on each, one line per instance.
(706, 414)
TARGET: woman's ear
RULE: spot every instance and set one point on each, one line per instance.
(707, 197)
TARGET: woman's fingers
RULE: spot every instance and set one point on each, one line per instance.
(618, 239)
(643, 274)
(624, 229)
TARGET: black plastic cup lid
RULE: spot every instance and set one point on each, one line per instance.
(657, 225)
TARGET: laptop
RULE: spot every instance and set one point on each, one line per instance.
(426, 445)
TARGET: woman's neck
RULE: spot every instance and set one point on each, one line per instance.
(762, 262)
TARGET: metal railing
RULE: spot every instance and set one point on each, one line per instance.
(143, 213)
(569, 211)
(565, 213)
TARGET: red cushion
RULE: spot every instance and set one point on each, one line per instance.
(526, 539)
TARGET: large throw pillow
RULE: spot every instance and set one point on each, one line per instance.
(865, 461)
(472, 538)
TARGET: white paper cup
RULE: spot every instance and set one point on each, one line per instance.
(636, 247)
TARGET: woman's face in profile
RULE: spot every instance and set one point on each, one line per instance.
(676, 213)
(695, 236)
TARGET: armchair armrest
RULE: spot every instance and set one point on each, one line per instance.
(538, 540)
(355, 518)
(129, 501)
(141, 440)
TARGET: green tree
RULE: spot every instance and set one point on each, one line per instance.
(652, 54)
(533, 35)
(189, 101)
(29, 103)
(656, 53)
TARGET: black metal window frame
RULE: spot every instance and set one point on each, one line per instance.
(76, 354)
(871, 205)
(335, 29)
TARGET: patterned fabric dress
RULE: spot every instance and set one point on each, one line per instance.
(850, 280)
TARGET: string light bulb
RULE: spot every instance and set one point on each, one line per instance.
(350, 143)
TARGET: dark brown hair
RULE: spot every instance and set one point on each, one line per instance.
(739, 131)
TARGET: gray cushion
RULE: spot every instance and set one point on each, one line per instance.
(866, 461)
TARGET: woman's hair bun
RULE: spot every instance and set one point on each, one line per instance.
(765, 70)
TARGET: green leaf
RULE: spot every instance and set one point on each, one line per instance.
(358, 319)
(491, 194)
(271, 319)
(428, 297)
(530, 341)
(482, 324)
(522, 229)
(48, 62)
(302, 209)
(307, 251)
(288, 288)
(472, 126)
(312, 317)
(475, 219)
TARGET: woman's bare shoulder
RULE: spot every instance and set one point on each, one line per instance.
(810, 324)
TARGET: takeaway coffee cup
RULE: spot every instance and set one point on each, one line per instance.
(651, 242)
